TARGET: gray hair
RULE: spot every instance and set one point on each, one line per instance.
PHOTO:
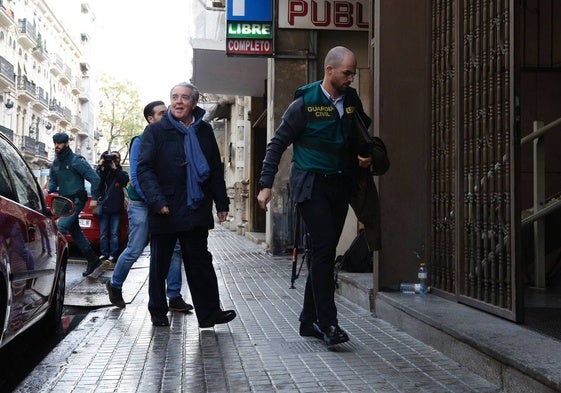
(194, 90)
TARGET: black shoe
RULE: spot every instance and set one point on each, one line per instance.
(115, 295)
(160, 321)
(178, 304)
(333, 335)
(91, 266)
(217, 318)
(310, 330)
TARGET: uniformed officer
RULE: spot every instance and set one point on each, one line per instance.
(66, 177)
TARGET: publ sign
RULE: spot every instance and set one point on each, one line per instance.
(324, 14)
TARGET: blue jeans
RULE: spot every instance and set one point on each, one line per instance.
(71, 224)
(109, 234)
(138, 240)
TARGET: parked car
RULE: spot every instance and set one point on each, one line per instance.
(90, 225)
(33, 254)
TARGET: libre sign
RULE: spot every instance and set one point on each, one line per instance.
(249, 27)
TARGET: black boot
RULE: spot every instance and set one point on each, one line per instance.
(93, 262)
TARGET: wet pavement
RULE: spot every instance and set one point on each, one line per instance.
(118, 350)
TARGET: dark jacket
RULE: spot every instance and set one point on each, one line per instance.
(293, 125)
(364, 201)
(67, 175)
(162, 176)
(111, 187)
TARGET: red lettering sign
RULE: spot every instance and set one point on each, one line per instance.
(324, 14)
(238, 46)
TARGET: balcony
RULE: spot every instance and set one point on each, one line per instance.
(83, 85)
(55, 111)
(6, 16)
(29, 147)
(7, 76)
(66, 76)
(76, 86)
(57, 65)
(39, 51)
(25, 90)
(27, 34)
(66, 117)
(41, 99)
(78, 126)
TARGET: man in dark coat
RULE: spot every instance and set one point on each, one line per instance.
(180, 173)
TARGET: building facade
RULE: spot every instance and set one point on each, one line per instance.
(44, 79)
(455, 89)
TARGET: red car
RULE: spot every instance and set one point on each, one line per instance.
(33, 254)
(90, 226)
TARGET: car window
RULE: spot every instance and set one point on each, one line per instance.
(25, 186)
(5, 187)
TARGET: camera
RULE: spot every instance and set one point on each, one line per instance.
(108, 159)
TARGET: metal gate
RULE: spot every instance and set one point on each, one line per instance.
(474, 220)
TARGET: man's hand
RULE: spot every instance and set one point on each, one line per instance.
(264, 197)
(93, 203)
(364, 162)
(222, 216)
(164, 210)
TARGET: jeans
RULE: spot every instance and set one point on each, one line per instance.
(71, 224)
(138, 240)
(109, 234)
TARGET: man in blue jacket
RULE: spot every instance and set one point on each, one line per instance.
(180, 173)
(319, 124)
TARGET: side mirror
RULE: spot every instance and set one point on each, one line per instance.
(61, 206)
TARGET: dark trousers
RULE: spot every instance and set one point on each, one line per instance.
(324, 215)
(199, 270)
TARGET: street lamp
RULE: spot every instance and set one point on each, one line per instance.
(8, 103)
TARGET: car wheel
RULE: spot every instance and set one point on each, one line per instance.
(52, 318)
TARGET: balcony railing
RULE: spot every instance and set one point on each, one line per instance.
(42, 96)
(29, 145)
(26, 85)
(67, 113)
(28, 34)
(7, 70)
(54, 106)
(42, 150)
(6, 131)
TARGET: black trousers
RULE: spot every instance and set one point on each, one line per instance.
(199, 270)
(324, 215)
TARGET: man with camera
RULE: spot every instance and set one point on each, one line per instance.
(110, 206)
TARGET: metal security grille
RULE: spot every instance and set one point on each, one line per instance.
(471, 153)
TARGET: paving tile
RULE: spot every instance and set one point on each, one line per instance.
(118, 350)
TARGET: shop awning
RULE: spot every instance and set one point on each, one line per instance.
(215, 72)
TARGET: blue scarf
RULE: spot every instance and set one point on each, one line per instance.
(197, 166)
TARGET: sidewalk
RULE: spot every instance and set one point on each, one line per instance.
(116, 350)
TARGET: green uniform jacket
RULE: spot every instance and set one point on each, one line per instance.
(67, 175)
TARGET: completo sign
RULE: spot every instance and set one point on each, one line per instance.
(324, 14)
(249, 30)
(235, 46)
